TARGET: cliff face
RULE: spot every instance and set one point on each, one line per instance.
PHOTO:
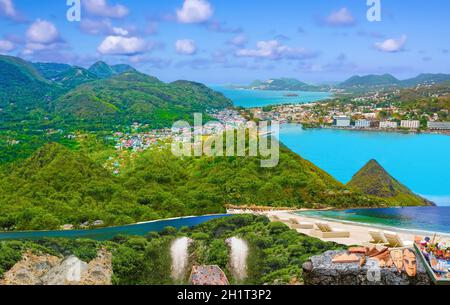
(51, 270)
(320, 270)
(374, 180)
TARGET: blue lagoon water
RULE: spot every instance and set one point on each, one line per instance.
(430, 219)
(420, 161)
(101, 234)
(261, 98)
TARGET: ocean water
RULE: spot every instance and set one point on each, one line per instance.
(420, 161)
(261, 98)
(429, 219)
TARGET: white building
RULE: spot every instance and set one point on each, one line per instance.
(362, 124)
(388, 125)
(342, 121)
(410, 124)
(439, 125)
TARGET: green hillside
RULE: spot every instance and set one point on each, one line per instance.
(51, 70)
(426, 79)
(374, 180)
(74, 76)
(370, 81)
(133, 96)
(57, 186)
(122, 68)
(102, 70)
(22, 87)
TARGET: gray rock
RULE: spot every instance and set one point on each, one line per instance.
(68, 272)
(319, 270)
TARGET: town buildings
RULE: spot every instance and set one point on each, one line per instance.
(362, 124)
(342, 121)
(439, 125)
(410, 124)
(388, 125)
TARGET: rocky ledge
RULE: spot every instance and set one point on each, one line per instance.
(319, 270)
(51, 270)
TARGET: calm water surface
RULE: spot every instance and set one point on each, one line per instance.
(431, 219)
(261, 98)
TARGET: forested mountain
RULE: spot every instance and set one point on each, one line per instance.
(56, 186)
(51, 70)
(374, 180)
(22, 87)
(115, 94)
(103, 70)
(133, 96)
(74, 76)
(371, 82)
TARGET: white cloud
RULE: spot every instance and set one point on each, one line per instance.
(102, 9)
(273, 49)
(186, 47)
(118, 45)
(41, 36)
(96, 27)
(7, 8)
(342, 17)
(392, 45)
(42, 32)
(120, 31)
(102, 27)
(195, 11)
(239, 40)
(6, 46)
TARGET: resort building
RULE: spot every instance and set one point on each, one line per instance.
(388, 125)
(362, 124)
(439, 125)
(410, 124)
(342, 121)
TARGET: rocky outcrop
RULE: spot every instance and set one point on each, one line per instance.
(319, 270)
(99, 270)
(51, 270)
(30, 269)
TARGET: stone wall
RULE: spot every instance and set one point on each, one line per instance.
(319, 270)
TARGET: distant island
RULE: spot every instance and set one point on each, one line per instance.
(284, 84)
(355, 83)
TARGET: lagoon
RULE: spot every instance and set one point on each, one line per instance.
(261, 98)
(102, 234)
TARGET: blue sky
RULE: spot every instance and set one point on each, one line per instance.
(231, 41)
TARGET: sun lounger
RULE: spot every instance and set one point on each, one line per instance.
(326, 231)
(378, 238)
(395, 240)
(301, 225)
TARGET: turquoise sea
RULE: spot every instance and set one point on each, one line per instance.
(420, 161)
(430, 219)
(261, 98)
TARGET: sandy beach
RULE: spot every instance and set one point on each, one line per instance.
(359, 234)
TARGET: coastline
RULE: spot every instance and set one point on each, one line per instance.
(400, 131)
(359, 232)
